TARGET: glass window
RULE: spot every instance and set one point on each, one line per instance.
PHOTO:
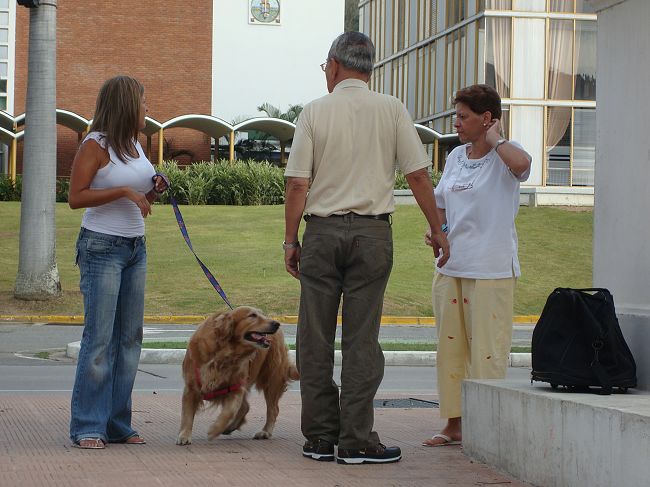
(584, 147)
(529, 5)
(3, 85)
(440, 76)
(480, 55)
(449, 81)
(498, 4)
(3, 70)
(558, 146)
(4, 35)
(434, 17)
(4, 3)
(505, 121)
(4, 52)
(583, 7)
(560, 59)
(528, 73)
(585, 76)
(413, 27)
(387, 27)
(470, 64)
(560, 6)
(3, 102)
(4, 18)
(456, 11)
(400, 24)
(497, 55)
(431, 67)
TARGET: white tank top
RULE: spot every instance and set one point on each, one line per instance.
(120, 217)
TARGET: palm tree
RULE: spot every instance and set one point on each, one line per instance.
(291, 115)
(38, 276)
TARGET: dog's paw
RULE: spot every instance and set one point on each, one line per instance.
(182, 440)
(262, 435)
(213, 434)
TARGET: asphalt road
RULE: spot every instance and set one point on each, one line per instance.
(22, 371)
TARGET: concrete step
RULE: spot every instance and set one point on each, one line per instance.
(554, 438)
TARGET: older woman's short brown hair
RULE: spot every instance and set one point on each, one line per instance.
(480, 99)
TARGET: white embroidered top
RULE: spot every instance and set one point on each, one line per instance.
(481, 200)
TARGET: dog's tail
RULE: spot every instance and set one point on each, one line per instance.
(292, 372)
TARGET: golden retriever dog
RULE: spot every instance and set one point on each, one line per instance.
(228, 354)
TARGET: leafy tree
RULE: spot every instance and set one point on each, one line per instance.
(351, 15)
(291, 115)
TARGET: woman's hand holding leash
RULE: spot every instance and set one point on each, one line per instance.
(160, 182)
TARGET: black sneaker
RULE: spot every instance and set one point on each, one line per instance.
(321, 450)
(374, 454)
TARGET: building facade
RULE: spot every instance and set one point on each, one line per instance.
(210, 57)
(540, 55)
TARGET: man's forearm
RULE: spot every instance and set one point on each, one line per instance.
(294, 205)
(420, 184)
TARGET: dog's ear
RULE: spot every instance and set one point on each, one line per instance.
(224, 327)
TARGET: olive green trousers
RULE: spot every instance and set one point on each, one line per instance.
(348, 257)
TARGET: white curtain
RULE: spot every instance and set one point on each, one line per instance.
(560, 76)
(500, 37)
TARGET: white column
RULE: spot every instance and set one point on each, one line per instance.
(622, 198)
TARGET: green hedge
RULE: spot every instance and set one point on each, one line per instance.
(240, 183)
(10, 191)
(223, 182)
(400, 179)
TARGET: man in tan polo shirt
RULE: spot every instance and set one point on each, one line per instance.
(341, 174)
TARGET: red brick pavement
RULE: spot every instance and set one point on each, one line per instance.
(35, 450)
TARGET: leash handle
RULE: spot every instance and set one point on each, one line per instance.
(181, 224)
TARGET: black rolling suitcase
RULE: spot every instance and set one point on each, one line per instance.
(577, 343)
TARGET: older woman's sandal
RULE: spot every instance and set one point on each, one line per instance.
(446, 441)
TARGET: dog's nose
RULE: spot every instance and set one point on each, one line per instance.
(275, 325)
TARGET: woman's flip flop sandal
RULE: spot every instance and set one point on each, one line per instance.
(135, 440)
(446, 441)
(90, 444)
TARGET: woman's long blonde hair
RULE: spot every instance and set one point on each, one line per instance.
(117, 114)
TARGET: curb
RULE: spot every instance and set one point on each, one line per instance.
(411, 359)
(196, 319)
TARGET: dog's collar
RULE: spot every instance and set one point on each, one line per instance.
(219, 392)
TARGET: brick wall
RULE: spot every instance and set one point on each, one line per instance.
(166, 45)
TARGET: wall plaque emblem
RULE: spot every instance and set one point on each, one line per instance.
(264, 12)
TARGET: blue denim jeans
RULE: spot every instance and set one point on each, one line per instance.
(113, 272)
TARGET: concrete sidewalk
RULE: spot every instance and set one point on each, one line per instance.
(35, 450)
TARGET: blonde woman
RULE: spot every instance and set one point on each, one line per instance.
(113, 179)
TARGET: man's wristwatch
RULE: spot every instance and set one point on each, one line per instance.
(499, 142)
(292, 245)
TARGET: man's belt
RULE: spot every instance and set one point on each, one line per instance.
(384, 216)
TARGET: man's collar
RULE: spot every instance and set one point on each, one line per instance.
(351, 83)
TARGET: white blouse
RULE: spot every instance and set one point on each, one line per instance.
(481, 200)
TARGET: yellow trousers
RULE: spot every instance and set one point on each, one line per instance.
(474, 322)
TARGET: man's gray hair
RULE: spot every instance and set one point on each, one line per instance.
(353, 50)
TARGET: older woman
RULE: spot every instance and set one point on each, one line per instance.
(478, 200)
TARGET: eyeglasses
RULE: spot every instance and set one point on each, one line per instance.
(324, 65)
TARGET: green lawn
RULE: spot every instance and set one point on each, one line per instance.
(242, 247)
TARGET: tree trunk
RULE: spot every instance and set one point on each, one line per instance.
(38, 276)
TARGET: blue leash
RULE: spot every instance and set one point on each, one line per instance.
(183, 228)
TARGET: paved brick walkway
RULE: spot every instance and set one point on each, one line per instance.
(35, 450)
